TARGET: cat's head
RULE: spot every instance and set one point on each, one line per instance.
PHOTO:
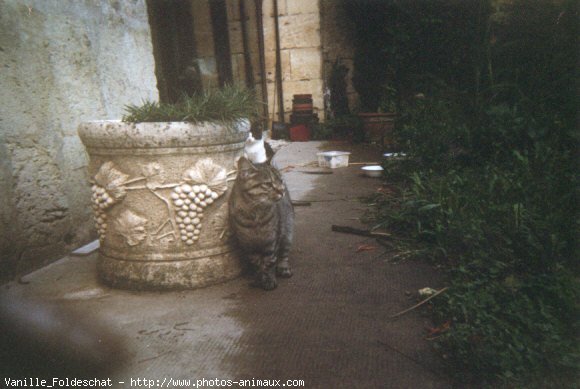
(260, 182)
(254, 150)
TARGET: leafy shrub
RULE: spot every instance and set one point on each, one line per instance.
(519, 328)
(502, 221)
(489, 190)
(431, 129)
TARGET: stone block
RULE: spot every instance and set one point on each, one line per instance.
(305, 64)
(270, 57)
(303, 7)
(300, 31)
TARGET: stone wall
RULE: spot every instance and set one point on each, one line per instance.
(62, 62)
(237, 42)
(205, 43)
(300, 50)
(313, 35)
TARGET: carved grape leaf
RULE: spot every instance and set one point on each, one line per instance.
(154, 174)
(205, 171)
(131, 226)
(112, 180)
(220, 223)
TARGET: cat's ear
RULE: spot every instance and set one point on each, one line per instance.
(245, 166)
(244, 163)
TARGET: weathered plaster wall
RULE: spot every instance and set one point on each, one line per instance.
(62, 62)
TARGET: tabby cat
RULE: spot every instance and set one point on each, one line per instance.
(262, 219)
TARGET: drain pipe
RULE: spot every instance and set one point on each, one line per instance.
(247, 60)
(278, 65)
(262, 59)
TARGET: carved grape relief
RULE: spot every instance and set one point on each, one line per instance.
(200, 187)
(204, 183)
(108, 189)
(131, 226)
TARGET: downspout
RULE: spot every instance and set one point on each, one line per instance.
(247, 59)
(262, 59)
(278, 65)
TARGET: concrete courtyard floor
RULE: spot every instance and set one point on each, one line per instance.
(328, 326)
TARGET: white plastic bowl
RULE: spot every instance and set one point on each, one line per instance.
(373, 171)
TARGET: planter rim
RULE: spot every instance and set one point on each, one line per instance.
(119, 134)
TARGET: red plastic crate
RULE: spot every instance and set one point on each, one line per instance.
(299, 133)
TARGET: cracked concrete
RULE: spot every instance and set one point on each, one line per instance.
(328, 325)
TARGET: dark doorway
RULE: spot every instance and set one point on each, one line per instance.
(219, 22)
(174, 49)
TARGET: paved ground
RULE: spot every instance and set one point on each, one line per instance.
(328, 325)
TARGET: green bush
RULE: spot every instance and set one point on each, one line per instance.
(501, 218)
(489, 188)
(516, 329)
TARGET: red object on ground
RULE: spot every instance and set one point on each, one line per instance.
(299, 133)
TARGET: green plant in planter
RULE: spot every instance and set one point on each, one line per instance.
(223, 105)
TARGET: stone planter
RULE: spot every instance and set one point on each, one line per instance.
(160, 200)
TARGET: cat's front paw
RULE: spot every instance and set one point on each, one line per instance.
(284, 271)
(267, 281)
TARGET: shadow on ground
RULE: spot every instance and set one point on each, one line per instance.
(328, 325)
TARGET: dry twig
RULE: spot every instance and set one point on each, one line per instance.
(357, 231)
(419, 304)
